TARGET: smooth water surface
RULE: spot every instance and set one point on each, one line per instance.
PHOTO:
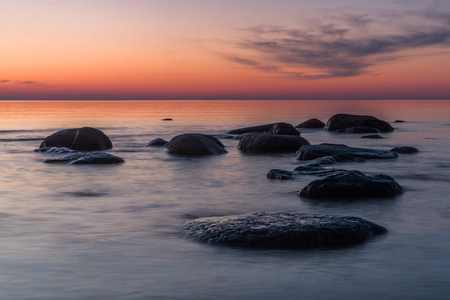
(114, 231)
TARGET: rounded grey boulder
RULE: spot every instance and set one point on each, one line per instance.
(340, 121)
(351, 184)
(282, 230)
(195, 144)
(271, 143)
(157, 142)
(82, 139)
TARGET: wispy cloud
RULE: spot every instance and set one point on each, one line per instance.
(348, 46)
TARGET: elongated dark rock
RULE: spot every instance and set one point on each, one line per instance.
(340, 121)
(315, 151)
(96, 158)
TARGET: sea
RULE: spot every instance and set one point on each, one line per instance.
(115, 231)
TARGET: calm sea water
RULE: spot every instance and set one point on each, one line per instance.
(114, 232)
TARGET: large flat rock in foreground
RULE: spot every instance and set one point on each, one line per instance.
(315, 151)
(282, 230)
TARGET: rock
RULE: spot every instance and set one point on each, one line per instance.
(167, 119)
(195, 144)
(282, 230)
(259, 128)
(399, 121)
(88, 158)
(352, 184)
(271, 143)
(82, 139)
(340, 121)
(58, 150)
(359, 129)
(311, 123)
(316, 170)
(405, 150)
(284, 129)
(157, 142)
(315, 151)
(224, 136)
(280, 174)
(372, 136)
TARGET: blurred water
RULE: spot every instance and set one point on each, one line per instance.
(113, 232)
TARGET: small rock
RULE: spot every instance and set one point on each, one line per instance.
(308, 152)
(399, 121)
(405, 150)
(259, 128)
(284, 129)
(311, 123)
(157, 142)
(280, 174)
(372, 136)
(88, 158)
(195, 144)
(167, 119)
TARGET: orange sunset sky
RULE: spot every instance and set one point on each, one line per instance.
(205, 49)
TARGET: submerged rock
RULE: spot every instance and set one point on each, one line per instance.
(82, 139)
(311, 123)
(258, 128)
(315, 151)
(405, 150)
(282, 230)
(195, 144)
(359, 129)
(280, 174)
(157, 142)
(271, 143)
(352, 184)
(372, 136)
(284, 129)
(340, 121)
(57, 150)
(88, 158)
(316, 170)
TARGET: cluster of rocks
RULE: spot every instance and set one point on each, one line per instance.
(261, 229)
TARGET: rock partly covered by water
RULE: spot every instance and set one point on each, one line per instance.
(372, 136)
(280, 174)
(96, 158)
(271, 143)
(157, 142)
(358, 129)
(57, 150)
(82, 139)
(284, 129)
(315, 151)
(405, 150)
(195, 144)
(352, 184)
(311, 123)
(282, 230)
(340, 121)
(258, 128)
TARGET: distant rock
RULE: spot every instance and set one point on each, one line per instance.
(157, 142)
(399, 121)
(195, 144)
(282, 230)
(405, 150)
(82, 139)
(284, 129)
(358, 129)
(280, 174)
(340, 121)
(311, 123)
(315, 151)
(259, 128)
(167, 119)
(88, 158)
(352, 184)
(372, 136)
(271, 143)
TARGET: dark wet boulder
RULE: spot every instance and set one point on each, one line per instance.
(405, 150)
(258, 128)
(311, 123)
(372, 136)
(315, 151)
(316, 170)
(82, 139)
(336, 158)
(271, 143)
(352, 184)
(95, 158)
(195, 144)
(284, 129)
(280, 174)
(358, 129)
(157, 142)
(340, 121)
(282, 230)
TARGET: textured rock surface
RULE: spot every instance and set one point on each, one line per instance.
(284, 129)
(311, 123)
(157, 142)
(282, 230)
(259, 128)
(195, 144)
(88, 158)
(82, 139)
(405, 150)
(271, 143)
(280, 174)
(359, 129)
(315, 151)
(352, 184)
(57, 150)
(340, 121)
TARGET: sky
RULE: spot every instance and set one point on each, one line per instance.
(206, 49)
